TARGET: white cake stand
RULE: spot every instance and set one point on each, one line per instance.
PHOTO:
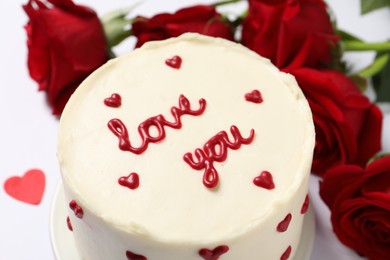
(64, 247)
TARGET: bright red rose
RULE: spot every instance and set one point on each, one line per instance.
(359, 200)
(65, 43)
(291, 33)
(201, 19)
(348, 126)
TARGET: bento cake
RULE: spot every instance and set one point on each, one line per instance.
(188, 148)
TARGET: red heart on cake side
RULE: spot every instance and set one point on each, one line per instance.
(286, 254)
(69, 224)
(133, 256)
(115, 100)
(305, 205)
(283, 225)
(131, 181)
(214, 254)
(28, 189)
(254, 96)
(77, 209)
(264, 180)
(174, 62)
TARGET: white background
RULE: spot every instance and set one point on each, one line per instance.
(28, 131)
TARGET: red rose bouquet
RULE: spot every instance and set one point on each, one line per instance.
(67, 42)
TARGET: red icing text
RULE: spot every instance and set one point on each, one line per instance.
(210, 153)
(159, 122)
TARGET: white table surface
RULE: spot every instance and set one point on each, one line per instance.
(28, 131)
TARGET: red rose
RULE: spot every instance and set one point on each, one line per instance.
(201, 19)
(348, 126)
(66, 43)
(291, 33)
(359, 200)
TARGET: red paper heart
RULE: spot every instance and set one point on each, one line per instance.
(115, 100)
(264, 180)
(133, 256)
(283, 225)
(254, 96)
(214, 254)
(174, 62)
(131, 181)
(28, 188)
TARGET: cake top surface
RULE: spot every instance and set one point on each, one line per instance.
(188, 139)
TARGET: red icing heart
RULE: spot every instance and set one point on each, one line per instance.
(214, 254)
(131, 181)
(286, 254)
(254, 96)
(132, 256)
(28, 188)
(283, 225)
(78, 211)
(174, 62)
(305, 205)
(264, 180)
(69, 224)
(115, 100)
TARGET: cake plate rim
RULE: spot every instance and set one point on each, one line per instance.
(64, 247)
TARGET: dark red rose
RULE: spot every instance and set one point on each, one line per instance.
(348, 126)
(66, 43)
(201, 19)
(291, 33)
(359, 200)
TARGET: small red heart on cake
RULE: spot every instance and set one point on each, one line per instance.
(264, 180)
(214, 254)
(77, 209)
(133, 256)
(131, 181)
(29, 188)
(286, 254)
(305, 205)
(174, 62)
(115, 100)
(283, 225)
(254, 96)
(69, 224)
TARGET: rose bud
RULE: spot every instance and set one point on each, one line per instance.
(65, 43)
(201, 19)
(359, 200)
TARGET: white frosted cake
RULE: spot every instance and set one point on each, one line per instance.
(189, 148)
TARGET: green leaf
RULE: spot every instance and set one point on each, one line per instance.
(371, 5)
(376, 67)
(381, 83)
(353, 45)
(116, 25)
(346, 36)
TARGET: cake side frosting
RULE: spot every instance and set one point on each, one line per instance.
(140, 152)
